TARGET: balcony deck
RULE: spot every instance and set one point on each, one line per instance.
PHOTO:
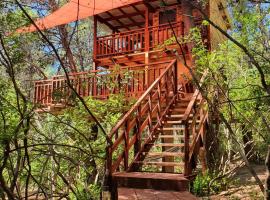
(99, 84)
(135, 42)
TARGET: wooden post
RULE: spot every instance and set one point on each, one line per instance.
(95, 39)
(126, 132)
(109, 190)
(147, 43)
(94, 85)
(267, 181)
(137, 145)
(175, 78)
(188, 21)
(186, 156)
(147, 76)
(147, 36)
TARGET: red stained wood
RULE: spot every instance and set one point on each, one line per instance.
(138, 40)
(145, 104)
(146, 180)
(94, 83)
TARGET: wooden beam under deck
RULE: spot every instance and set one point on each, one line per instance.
(138, 12)
(101, 20)
(136, 58)
(121, 23)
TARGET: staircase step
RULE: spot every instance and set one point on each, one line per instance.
(169, 145)
(177, 110)
(165, 154)
(176, 122)
(184, 101)
(176, 137)
(171, 136)
(162, 164)
(176, 119)
(160, 181)
(171, 129)
(175, 116)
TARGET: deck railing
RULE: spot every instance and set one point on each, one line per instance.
(137, 40)
(132, 81)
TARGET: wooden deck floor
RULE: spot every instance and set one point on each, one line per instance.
(150, 175)
(148, 194)
(147, 180)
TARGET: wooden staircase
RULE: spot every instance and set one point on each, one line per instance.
(154, 147)
(156, 144)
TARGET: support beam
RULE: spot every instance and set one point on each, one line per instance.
(137, 10)
(147, 36)
(146, 84)
(148, 6)
(101, 20)
(130, 18)
(130, 25)
(95, 39)
(126, 15)
(121, 23)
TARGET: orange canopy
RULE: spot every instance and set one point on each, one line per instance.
(76, 10)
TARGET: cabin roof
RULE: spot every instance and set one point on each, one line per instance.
(131, 16)
(119, 15)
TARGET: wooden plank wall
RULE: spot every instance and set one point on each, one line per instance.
(218, 15)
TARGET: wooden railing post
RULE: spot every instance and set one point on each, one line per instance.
(186, 149)
(147, 36)
(108, 191)
(95, 38)
(94, 85)
(137, 145)
(175, 78)
(126, 145)
(147, 75)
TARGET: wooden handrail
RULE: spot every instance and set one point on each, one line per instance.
(137, 40)
(197, 109)
(136, 105)
(155, 102)
(137, 30)
(194, 98)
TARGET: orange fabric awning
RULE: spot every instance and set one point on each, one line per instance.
(76, 10)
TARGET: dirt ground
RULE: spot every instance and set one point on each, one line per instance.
(245, 187)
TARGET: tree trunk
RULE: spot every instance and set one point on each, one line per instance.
(248, 142)
(267, 181)
(212, 146)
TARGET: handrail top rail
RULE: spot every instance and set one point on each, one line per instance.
(194, 98)
(58, 77)
(136, 105)
(137, 30)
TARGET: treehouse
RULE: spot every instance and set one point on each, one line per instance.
(158, 141)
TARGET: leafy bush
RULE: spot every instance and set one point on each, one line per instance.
(208, 184)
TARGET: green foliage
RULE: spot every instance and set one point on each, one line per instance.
(207, 184)
(91, 193)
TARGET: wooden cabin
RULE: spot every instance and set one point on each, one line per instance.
(138, 31)
(165, 131)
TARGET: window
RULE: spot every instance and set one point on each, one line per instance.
(167, 16)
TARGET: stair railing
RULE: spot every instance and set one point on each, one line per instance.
(146, 115)
(194, 120)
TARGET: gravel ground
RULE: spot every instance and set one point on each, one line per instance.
(245, 187)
